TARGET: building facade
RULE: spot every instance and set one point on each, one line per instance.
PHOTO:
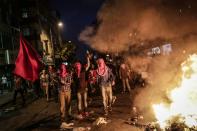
(39, 25)
(8, 33)
(35, 20)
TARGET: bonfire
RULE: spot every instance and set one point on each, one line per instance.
(181, 113)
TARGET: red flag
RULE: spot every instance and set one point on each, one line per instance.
(27, 63)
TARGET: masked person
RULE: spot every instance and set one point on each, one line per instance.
(65, 92)
(124, 74)
(106, 80)
(82, 90)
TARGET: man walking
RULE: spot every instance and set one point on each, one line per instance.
(124, 76)
(18, 89)
(105, 81)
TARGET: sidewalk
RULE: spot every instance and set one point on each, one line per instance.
(6, 97)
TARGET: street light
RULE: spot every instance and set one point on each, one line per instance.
(60, 24)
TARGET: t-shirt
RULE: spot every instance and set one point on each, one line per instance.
(82, 81)
(124, 71)
(3, 80)
(66, 83)
(106, 79)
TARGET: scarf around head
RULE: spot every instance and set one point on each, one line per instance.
(78, 68)
(63, 70)
(102, 68)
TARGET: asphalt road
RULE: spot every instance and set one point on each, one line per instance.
(40, 115)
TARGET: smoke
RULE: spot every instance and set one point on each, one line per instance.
(164, 74)
(136, 25)
(128, 22)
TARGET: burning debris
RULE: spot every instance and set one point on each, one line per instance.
(182, 111)
(137, 120)
(156, 23)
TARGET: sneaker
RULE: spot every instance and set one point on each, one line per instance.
(113, 99)
(106, 112)
(110, 109)
(65, 125)
(86, 114)
(80, 116)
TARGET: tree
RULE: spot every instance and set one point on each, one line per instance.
(67, 52)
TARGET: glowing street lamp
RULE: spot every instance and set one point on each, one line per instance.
(60, 24)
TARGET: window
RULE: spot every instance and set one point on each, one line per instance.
(26, 32)
(24, 15)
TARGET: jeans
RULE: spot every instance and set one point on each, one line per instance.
(125, 82)
(21, 91)
(107, 96)
(65, 104)
(82, 101)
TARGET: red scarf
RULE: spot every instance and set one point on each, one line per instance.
(63, 71)
(78, 68)
(102, 68)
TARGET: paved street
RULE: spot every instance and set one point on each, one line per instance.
(41, 115)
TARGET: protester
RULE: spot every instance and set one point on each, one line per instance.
(18, 89)
(124, 74)
(65, 92)
(106, 80)
(25, 86)
(53, 80)
(44, 83)
(37, 88)
(92, 79)
(82, 90)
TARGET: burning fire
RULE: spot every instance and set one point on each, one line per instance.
(184, 99)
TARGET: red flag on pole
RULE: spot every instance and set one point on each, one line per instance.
(27, 64)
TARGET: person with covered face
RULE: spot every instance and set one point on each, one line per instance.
(65, 92)
(106, 80)
(82, 90)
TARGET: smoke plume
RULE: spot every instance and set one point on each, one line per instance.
(123, 23)
(137, 25)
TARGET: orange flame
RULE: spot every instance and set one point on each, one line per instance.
(184, 98)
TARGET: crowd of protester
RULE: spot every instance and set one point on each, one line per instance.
(77, 81)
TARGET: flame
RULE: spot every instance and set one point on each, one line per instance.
(184, 98)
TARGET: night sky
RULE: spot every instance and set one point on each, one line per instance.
(76, 15)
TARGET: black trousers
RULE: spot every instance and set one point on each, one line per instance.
(21, 91)
(3, 88)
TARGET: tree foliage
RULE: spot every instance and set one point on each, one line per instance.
(67, 51)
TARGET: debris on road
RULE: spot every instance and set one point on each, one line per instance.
(100, 121)
(65, 125)
(82, 129)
